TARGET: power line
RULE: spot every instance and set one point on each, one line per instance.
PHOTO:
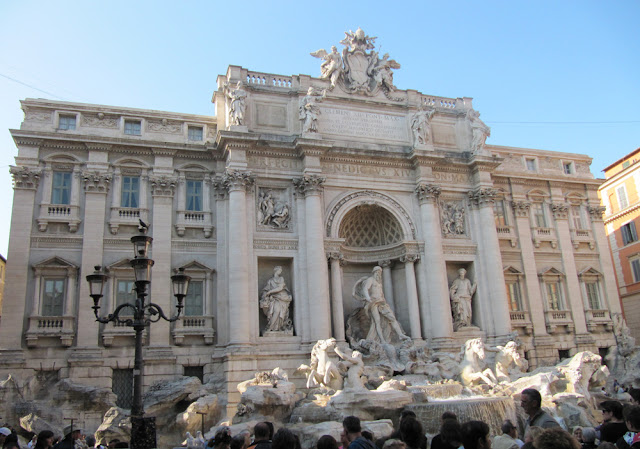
(29, 85)
(566, 123)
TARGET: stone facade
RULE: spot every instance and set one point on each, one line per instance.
(325, 183)
(619, 194)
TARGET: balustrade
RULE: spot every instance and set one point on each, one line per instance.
(269, 80)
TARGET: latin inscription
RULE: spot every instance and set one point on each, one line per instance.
(270, 162)
(459, 178)
(362, 124)
(352, 169)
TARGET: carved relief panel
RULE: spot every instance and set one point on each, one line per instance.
(273, 209)
(452, 218)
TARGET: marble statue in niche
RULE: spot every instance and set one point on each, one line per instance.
(275, 300)
(310, 111)
(479, 131)
(237, 104)
(383, 322)
(453, 219)
(272, 212)
(461, 292)
(421, 125)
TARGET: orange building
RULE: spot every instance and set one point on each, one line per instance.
(619, 193)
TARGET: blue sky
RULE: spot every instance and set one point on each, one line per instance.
(553, 75)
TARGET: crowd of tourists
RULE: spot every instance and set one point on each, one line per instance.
(620, 429)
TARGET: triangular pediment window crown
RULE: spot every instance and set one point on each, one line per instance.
(590, 272)
(510, 270)
(194, 265)
(121, 264)
(55, 262)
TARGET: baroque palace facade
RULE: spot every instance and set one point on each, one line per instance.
(325, 178)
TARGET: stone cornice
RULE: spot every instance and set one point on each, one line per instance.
(349, 159)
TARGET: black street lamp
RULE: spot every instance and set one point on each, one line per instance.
(144, 313)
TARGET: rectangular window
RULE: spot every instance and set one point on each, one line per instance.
(130, 191)
(500, 213)
(195, 133)
(553, 296)
(576, 216)
(125, 293)
(623, 203)
(593, 295)
(626, 164)
(568, 168)
(61, 188)
(635, 268)
(133, 127)
(193, 302)
(539, 218)
(531, 164)
(67, 122)
(513, 294)
(194, 195)
(53, 297)
(629, 234)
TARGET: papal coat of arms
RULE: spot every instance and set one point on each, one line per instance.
(359, 69)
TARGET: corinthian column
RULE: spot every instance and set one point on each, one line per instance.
(336, 295)
(237, 182)
(412, 295)
(317, 272)
(493, 304)
(434, 305)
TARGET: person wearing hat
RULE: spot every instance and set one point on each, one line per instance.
(613, 426)
(4, 433)
(71, 434)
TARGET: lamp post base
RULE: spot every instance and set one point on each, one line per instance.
(143, 432)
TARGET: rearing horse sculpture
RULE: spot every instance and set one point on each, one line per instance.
(473, 367)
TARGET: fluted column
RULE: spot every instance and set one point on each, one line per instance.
(96, 187)
(387, 283)
(494, 306)
(337, 308)
(435, 309)
(25, 185)
(317, 272)
(412, 295)
(237, 182)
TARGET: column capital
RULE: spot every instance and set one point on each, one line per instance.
(236, 180)
(163, 185)
(596, 212)
(25, 177)
(96, 182)
(427, 192)
(385, 263)
(560, 211)
(335, 255)
(521, 208)
(409, 258)
(309, 184)
(483, 196)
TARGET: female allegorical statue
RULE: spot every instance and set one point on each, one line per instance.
(274, 302)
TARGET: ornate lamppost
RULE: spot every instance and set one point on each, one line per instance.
(143, 435)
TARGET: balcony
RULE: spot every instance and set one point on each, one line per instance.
(558, 319)
(521, 319)
(195, 220)
(597, 317)
(544, 235)
(126, 216)
(507, 233)
(61, 327)
(116, 330)
(194, 326)
(582, 236)
(58, 213)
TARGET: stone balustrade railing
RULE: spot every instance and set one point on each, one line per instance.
(269, 80)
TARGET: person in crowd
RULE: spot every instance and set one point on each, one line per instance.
(112, 443)
(222, 438)
(261, 436)
(577, 433)
(122, 445)
(450, 436)
(555, 438)
(4, 433)
(530, 434)
(394, 444)
(411, 433)
(272, 429)
(395, 435)
(531, 402)
(241, 441)
(327, 442)
(632, 438)
(508, 438)
(44, 440)
(353, 433)
(11, 439)
(606, 445)
(71, 434)
(475, 435)
(284, 439)
(589, 438)
(368, 435)
(613, 426)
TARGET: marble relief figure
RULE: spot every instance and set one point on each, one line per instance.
(237, 104)
(383, 322)
(272, 212)
(274, 302)
(453, 219)
(461, 292)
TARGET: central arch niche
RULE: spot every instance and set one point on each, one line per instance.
(369, 226)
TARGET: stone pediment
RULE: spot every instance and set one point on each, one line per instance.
(121, 264)
(551, 271)
(510, 270)
(54, 262)
(589, 272)
(196, 266)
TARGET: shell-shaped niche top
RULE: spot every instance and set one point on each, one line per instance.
(369, 226)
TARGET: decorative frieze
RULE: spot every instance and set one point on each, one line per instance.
(96, 182)
(483, 196)
(309, 184)
(100, 120)
(37, 116)
(427, 192)
(25, 177)
(164, 126)
(560, 211)
(521, 208)
(163, 185)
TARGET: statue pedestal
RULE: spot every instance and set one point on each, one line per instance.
(238, 128)
(278, 334)
(468, 332)
(315, 136)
